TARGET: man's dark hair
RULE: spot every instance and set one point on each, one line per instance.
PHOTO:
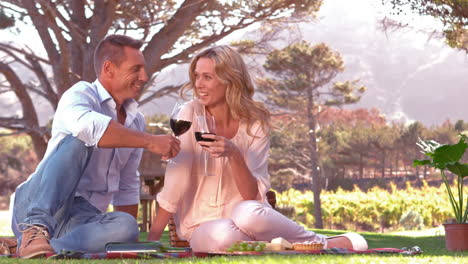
(111, 48)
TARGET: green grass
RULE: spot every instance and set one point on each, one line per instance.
(433, 247)
(315, 259)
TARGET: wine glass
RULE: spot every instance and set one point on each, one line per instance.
(180, 121)
(206, 125)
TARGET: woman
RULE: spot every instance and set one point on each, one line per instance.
(212, 212)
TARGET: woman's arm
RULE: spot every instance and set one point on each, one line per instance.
(245, 181)
(243, 168)
(158, 225)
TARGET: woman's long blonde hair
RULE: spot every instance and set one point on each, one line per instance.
(231, 70)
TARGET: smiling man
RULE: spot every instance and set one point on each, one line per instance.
(91, 161)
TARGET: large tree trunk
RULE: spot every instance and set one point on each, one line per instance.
(39, 143)
(29, 122)
(316, 186)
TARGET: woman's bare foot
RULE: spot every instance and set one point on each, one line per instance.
(339, 242)
(352, 241)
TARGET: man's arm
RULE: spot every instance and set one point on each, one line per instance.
(119, 136)
(129, 209)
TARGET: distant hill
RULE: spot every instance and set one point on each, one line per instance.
(409, 76)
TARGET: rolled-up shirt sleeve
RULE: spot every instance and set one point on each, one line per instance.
(77, 113)
(257, 160)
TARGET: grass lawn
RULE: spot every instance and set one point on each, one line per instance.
(432, 245)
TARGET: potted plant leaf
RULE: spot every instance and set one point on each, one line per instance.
(449, 158)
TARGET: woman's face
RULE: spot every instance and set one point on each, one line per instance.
(208, 87)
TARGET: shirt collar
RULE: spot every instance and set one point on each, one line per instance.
(130, 105)
(103, 94)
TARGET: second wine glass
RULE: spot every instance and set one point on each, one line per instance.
(206, 125)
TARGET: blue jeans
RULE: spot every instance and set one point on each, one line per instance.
(48, 198)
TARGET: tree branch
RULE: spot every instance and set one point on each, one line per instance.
(175, 27)
(15, 3)
(12, 122)
(75, 32)
(160, 93)
(101, 21)
(41, 25)
(184, 55)
(21, 93)
(49, 93)
(6, 46)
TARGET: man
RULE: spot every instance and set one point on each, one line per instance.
(91, 161)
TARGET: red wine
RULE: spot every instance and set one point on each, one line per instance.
(198, 136)
(179, 126)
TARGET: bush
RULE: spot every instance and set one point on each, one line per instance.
(374, 210)
(412, 220)
(17, 162)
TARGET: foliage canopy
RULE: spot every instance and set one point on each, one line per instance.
(69, 31)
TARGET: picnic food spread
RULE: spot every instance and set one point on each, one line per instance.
(247, 246)
(308, 245)
(277, 244)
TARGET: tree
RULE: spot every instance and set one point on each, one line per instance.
(452, 13)
(407, 141)
(70, 30)
(302, 73)
(460, 126)
(384, 139)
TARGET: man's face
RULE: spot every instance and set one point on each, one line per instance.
(130, 76)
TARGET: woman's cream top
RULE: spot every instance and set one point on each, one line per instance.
(195, 198)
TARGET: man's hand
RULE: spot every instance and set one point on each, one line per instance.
(164, 145)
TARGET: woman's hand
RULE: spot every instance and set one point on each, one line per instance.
(158, 225)
(220, 147)
(223, 147)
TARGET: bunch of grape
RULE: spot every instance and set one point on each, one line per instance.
(246, 246)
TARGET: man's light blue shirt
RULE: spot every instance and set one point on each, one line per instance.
(85, 111)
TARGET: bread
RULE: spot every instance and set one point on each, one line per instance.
(308, 245)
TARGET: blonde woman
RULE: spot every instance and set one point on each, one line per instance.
(212, 212)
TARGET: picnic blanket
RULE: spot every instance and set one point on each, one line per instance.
(189, 254)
